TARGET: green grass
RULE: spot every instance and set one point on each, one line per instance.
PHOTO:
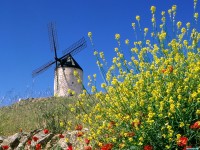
(36, 113)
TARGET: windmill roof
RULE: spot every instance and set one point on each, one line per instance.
(69, 61)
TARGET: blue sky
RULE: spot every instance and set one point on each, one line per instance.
(24, 43)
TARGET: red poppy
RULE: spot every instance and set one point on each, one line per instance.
(111, 124)
(35, 138)
(87, 148)
(130, 134)
(182, 141)
(171, 68)
(185, 148)
(38, 147)
(5, 147)
(79, 127)
(107, 146)
(79, 134)
(70, 147)
(46, 131)
(87, 141)
(163, 71)
(196, 125)
(29, 142)
(61, 136)
(148, 147)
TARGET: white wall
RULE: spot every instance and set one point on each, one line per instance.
(67, 80)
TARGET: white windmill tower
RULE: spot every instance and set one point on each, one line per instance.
(66, 66)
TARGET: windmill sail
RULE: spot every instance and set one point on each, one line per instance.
(76, 47)
(42, 68)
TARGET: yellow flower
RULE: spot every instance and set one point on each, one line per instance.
(94, 75)
(167, 147)
(89, 34)
(133, 25)
(183, 30)
(127, 41)
(141, 139)
(137, 18)
(153, 9)
(179, 24)
(196, 15)
(163, 19)
(164, 135)
(122, 145)
(66, 140)
(103, 85)
(146, 30)
(153, 19)
(181, 124)
(117, 36)
(79, 81)
(95, 53)
(169, 11)
(178, 136)
(174, 8)
(188, 25)
(198, 112)
(194, 94)
(61, 123)
(116, 49)
(75, 73)
(69, 91)
(100, 144)
(130, 139)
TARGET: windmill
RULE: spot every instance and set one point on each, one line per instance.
(65, 65)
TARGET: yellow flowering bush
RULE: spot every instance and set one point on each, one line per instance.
(152, 99)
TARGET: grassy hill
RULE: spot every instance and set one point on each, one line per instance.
(31, 114)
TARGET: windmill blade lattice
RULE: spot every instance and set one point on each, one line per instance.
(53, 36)
(76, 47)
(42, 68)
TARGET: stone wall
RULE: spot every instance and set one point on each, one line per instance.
(42, 139)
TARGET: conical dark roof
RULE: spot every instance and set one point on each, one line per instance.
(69, 61)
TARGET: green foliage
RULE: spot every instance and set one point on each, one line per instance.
(52, 113)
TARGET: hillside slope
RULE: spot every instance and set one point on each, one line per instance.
(35, 113)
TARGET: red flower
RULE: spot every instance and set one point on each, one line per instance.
(182, 141)
(38, 147)
(187, 147)
(61, 136)
(107, 146)
(171, 68)
(111, 124)
(69, 147)
(87, 141)
(87, 148)
(79, 134)
(148, 147)
(46, 131)
(5, 147)
(130, 134)
(29, 142)
(79, 127)
(196, 125)
(35, 138)
(163, 71)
